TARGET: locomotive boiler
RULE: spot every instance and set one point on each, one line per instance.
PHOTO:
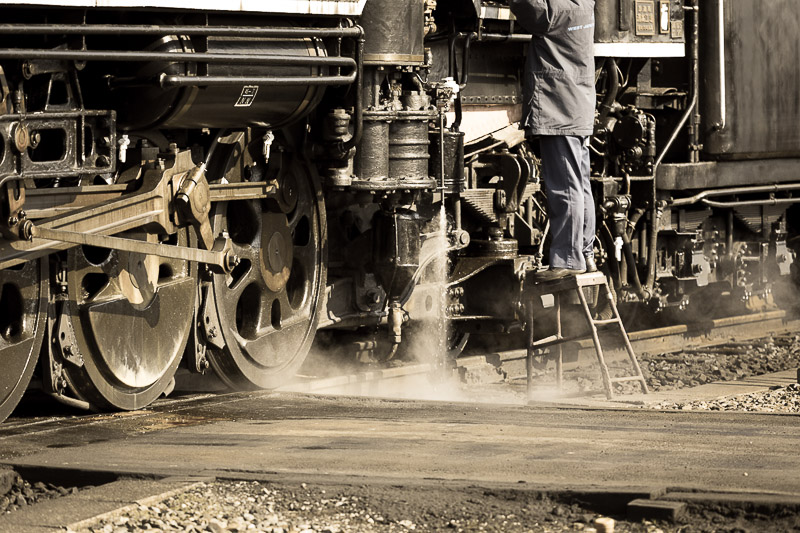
(208, 185)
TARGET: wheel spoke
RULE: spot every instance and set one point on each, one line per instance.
(303, 209)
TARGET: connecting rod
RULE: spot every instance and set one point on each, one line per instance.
(152, 206)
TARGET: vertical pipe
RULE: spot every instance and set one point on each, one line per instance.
(694, 124)
(729, 236)
(441, 150)
(723, 104)
(358, 129)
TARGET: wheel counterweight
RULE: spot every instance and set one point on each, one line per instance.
(23, 310)
(129, 317)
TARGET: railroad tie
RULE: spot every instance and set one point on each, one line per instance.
(577, 283)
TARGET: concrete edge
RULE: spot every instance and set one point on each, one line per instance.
(767, 501)
(147, 501)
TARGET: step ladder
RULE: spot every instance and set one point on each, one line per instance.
(577, 283)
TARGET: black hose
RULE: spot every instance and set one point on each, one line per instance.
(651, 249)
(612, 89)
(612, 259)
(626, 247)
(633, 220)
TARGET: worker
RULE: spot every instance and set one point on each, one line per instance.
(558, 109)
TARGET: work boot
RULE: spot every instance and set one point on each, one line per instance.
(591, 266)
(552, 274)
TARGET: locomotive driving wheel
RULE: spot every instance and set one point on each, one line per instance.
(126, 323)
(23, 310)
(268, 307)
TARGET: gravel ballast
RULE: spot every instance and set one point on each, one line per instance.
(23, 493)
(776, 400)
(244, 506)
(248, 506)
(725, 362)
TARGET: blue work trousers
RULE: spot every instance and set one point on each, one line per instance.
(565, 168)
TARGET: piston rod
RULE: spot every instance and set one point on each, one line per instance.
(220, 256)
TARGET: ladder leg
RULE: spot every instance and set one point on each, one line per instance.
(560, 353)
(560, 368)
(529, 355)
(597, 348)
(628, 347)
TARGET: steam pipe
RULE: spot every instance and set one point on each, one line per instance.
(359, 108)
(723, 107)
(200, 57)
(694, 125)
(216, 81)
(735, 190)
(465, 56)
(160, 30)
(743, 203)
(658, 210)
(501, 37)
(463, 79)
(484, 37)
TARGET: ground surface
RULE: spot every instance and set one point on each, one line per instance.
(431, 465)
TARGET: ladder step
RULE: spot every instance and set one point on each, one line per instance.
(627, 378)
(547, 340)
(578, 283)
(605, 321)
(555, 339)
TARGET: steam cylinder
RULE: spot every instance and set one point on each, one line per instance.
(408, 149)
(454, 178)
(394, 32)
(144, 106)
(396, 249)
(372, 162)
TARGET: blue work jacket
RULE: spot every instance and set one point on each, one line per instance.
(558, 89)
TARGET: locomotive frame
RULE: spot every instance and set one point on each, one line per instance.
(211, 185)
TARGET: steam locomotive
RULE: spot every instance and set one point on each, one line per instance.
(211, 184)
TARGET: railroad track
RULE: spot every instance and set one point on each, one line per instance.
(397, 381)
(701, 334)
(414, 380)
